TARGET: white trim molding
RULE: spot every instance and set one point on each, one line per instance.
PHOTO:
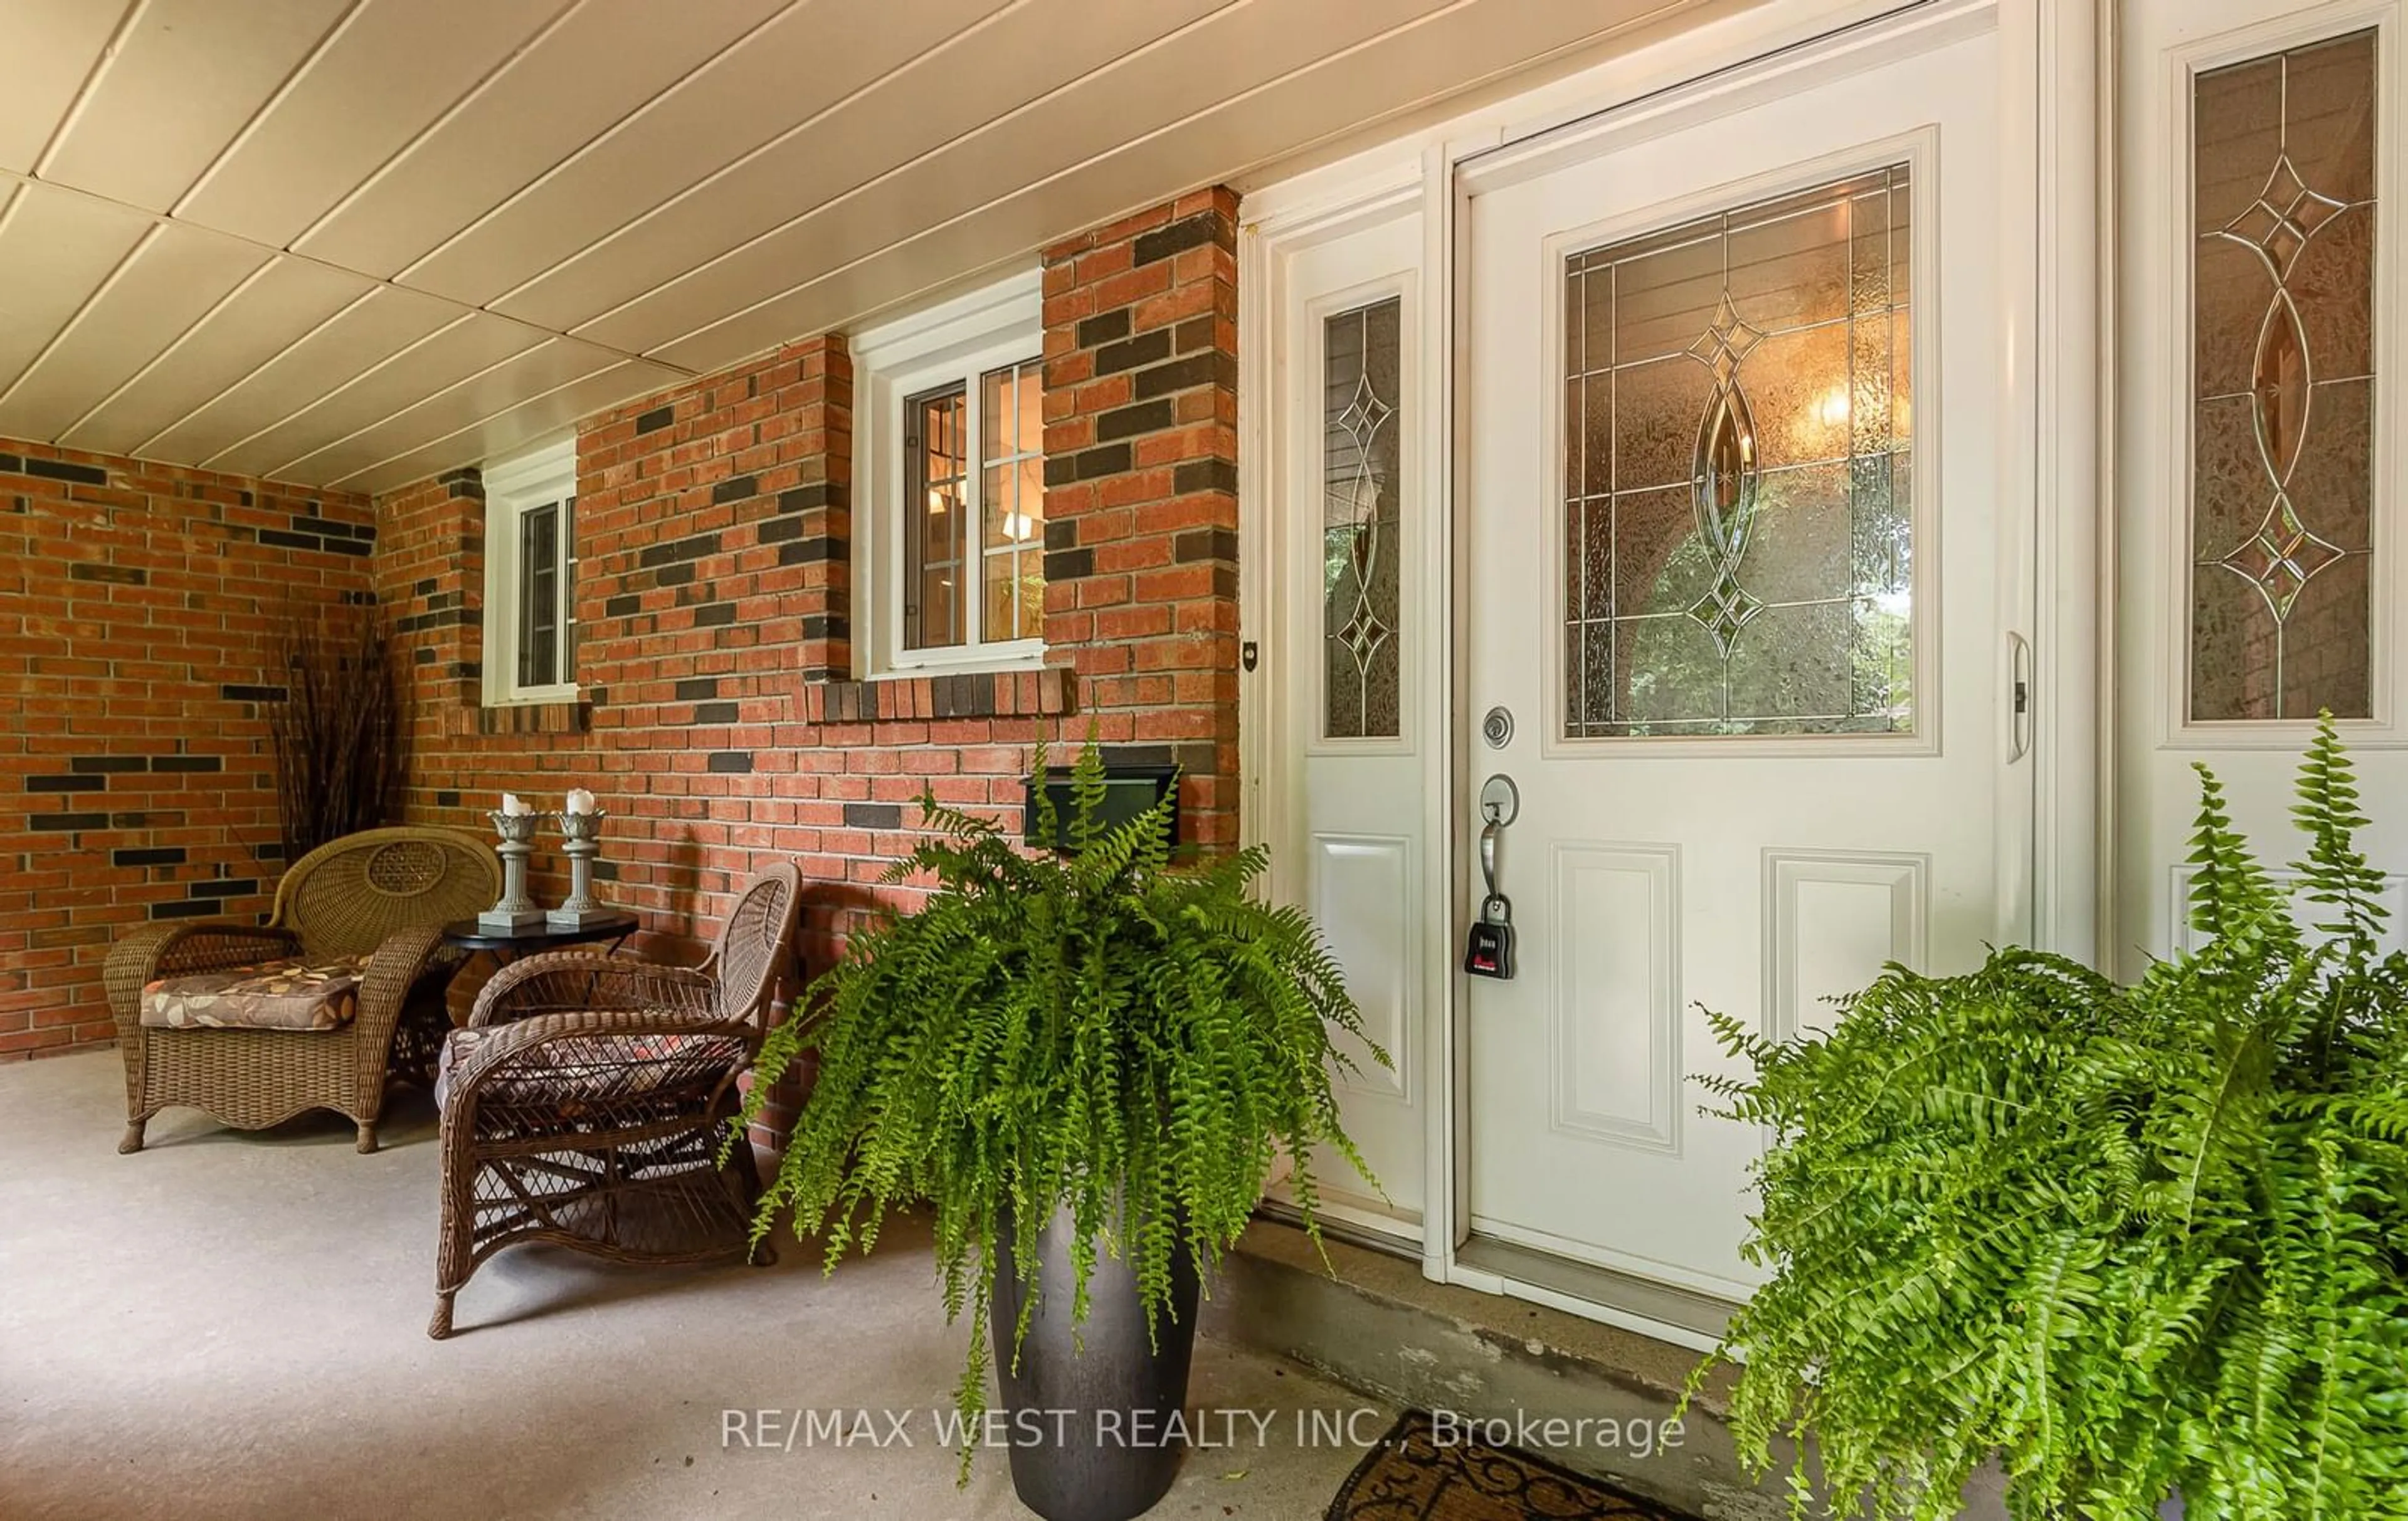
(538, 476)
(988, 328)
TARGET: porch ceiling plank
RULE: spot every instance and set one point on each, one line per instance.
(575, 85)
(387, 71)
(811, 56)
(368, 331)
(1235, 50)
(51, 47)
(57, 249)
(451, 353)
(172, 280)
(287, 300)
(538, 371)
(1017, 55)
(347, 238)
(526, 422)
(171, 97)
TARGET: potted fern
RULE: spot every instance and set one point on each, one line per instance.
(2146, 1246)
(1086, 1065)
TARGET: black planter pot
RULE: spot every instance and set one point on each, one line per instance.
(1088, 1419)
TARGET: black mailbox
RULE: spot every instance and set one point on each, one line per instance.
(1128, 792)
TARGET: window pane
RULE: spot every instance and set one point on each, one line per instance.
(1361, 523)
(1011, 498)
(935, 495)
(1736, 525)
(539, 594)
(2283, 274)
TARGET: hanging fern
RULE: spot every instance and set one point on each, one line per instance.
(1103, 1030)
(2134, 1241)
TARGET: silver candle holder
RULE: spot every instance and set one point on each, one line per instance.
(581, 840)
(516, 911)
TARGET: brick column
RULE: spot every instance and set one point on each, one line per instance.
(1141, 499)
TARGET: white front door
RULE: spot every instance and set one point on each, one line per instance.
(1732, 534)
(2259, 431)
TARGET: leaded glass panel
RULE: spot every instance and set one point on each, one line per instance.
(2283, 264)
(1361, 522)
(1738, 530)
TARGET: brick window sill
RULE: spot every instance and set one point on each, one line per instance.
(520, 718)
(1047, 692)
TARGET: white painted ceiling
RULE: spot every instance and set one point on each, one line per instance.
(356, 242)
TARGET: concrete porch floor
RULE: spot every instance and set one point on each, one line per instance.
(234, 1325)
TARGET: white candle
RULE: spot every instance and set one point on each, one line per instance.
(580, 800)
(511, 806)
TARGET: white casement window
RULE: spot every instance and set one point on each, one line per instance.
(949, 447)
(530, 576)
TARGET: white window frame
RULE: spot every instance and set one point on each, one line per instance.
(537, 478)
(956, 342)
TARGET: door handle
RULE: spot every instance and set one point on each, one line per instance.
(2019, 697)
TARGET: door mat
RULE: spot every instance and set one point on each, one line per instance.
(1411, 1477)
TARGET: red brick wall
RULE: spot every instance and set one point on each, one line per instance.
(1141, 487)
(136, 783)
(719, 722)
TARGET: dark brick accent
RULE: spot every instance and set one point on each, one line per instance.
(186, 763)
(697, 689)
(735, 488)
(827, 626)
(653, 420)
(290, 541)
(238, 692)
(115, 574)
(149, 855)
(674, 575)
(1062, 534)
(692, 547)
(779, 530)
(730, 760)
(873, 815)
(447, 799)
(1107, 328)
(1136, 354)
(65, 784)
(803, 498)
(1069, 564)
(714, 615)
(100, 764)
(59, 469)
(55, 823)
(714, 712)
(1187, 233)
(1205, 544)
(186, 909)
(225, 888)
(1204, 475)
(1185, 374)
(825, 547)
(621, 606)
(1128, 421)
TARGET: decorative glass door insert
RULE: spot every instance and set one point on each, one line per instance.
(1361, 522)
(1736, 485)
(2281, 511)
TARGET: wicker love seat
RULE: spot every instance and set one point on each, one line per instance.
(255, 1024)
(585, 1104)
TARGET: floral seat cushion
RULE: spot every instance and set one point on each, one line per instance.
(587, 1073)
(290, 995)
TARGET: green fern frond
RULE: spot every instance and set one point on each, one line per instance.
(2131, 1241)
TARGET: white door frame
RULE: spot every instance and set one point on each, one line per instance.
(2054, 130)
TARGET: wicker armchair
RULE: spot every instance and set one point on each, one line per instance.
(383, 894)
(586, 1101)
